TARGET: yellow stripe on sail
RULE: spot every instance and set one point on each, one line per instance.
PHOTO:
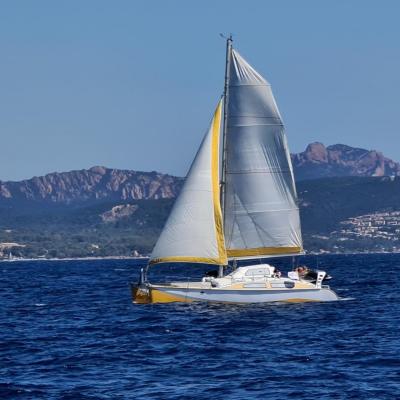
(219, 231)
(263, 251)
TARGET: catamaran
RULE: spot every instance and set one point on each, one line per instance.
(236, 204)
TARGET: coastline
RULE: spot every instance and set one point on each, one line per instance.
(323, 253)
(75, 259)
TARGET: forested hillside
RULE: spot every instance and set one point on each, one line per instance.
(116, 228)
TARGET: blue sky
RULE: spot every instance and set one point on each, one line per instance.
(132, 84)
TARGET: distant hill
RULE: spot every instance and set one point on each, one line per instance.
(120, 227)
(96, 184)
(99, 184)
(318, 161)
(93, 229)
(349, 201)
(325, 202)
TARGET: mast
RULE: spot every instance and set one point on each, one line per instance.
(225, 122)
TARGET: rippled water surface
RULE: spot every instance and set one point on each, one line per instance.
(69, 331)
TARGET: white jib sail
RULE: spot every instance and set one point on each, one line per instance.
(261, 215)
(193, 231)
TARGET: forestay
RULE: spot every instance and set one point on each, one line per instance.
(193, 231)
(261, 215)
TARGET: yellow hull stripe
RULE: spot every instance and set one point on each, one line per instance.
(156, 295)
(299, 301)
(159, 296)
(263, 251)
(151, 295)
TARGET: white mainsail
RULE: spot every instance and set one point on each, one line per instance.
(261, 216)
(193, 231)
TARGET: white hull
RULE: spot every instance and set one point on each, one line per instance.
(248, 296)
(251, 284)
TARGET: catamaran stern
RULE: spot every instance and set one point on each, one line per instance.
(150, 294)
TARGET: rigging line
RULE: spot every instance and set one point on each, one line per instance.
(231, 232)
(233, 222)
(258, 227)
(238, 225)
(241, 235)
(234, 213)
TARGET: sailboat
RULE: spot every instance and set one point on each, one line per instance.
(237, 203)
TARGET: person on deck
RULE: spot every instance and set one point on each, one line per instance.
(302, 271)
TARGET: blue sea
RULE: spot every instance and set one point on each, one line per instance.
(68, 330)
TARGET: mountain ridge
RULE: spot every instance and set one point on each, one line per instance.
(88, 185)
(340, 214)
(100, 183)
(318, 161)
